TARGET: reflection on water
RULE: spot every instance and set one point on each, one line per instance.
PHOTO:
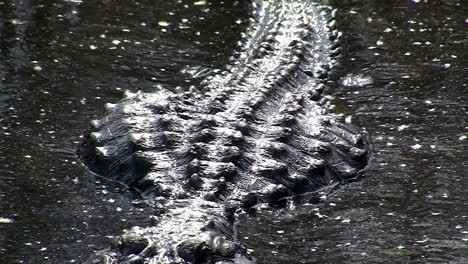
(401, 76)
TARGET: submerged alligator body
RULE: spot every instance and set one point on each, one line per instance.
(260, 132)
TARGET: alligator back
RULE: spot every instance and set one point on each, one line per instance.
(259, 132)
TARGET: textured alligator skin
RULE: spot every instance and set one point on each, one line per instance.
(260, 132)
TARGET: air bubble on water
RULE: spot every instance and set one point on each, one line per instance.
(200, 3)
(164, 23)
(416, 146)
(5, 220)
(402, 127)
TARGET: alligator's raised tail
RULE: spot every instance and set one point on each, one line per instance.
(259, 132)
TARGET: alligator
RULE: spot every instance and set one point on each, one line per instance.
(261, 132)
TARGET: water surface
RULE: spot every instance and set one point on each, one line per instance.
(402, 76)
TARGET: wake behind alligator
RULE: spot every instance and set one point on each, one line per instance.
(260, 132)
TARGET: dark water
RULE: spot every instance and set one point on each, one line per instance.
(402, 76)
